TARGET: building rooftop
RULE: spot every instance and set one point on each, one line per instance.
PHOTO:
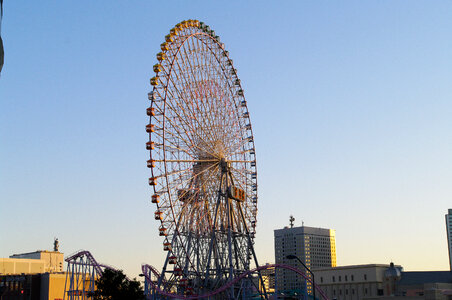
(413, 278)
(37, 251)
(305, 230)
(353, 267)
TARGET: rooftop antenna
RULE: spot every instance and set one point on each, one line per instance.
(56, 244)
(291, 219)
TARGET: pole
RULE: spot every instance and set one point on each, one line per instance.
(312, 274)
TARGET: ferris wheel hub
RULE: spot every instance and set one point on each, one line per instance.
(224, 165)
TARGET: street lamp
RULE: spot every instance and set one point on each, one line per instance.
(312, 274)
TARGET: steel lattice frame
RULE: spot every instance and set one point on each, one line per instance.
(82, 272)
(151, 287)
(201, 152)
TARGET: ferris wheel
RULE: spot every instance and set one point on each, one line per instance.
(202, 163)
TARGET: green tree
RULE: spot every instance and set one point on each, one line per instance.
(114, 285)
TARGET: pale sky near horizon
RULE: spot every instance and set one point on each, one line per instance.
(350, 103)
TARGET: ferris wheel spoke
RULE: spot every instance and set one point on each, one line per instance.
(208, 79)
(180, 129)
(173, 173)
(175, 144)
(244, 151)
(213, 166)
(178, 136)
(192, 130)
(180, 182)
(187, 160)
(186, 81)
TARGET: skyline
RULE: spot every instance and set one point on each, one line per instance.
(350, 106)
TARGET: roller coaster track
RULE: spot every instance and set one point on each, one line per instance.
(82, 270)
(147, 270)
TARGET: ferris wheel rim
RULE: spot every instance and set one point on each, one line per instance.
(186, 38)
(248, 153)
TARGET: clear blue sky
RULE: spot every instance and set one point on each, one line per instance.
(350, 103)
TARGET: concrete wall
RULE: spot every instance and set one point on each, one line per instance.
(21, 266)
(52, 286)
(351, 282)
(53, 261)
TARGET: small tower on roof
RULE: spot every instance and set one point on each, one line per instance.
(56, 245)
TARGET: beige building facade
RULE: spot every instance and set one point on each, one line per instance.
(21, 266)
(33, 275)
(53, 260)
(352, 282)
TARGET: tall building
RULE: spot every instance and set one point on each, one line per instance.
(316, 247)
(449, 236)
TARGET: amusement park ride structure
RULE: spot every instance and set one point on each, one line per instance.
(82, 272)
(203, 175)
(203, 164)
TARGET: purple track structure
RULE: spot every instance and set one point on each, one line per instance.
(149, 270)
(82, 272)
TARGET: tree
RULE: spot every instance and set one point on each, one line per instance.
(114, 285)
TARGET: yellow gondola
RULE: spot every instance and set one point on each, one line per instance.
(157, 68)
(155, 81)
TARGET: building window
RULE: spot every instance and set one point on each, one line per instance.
(345, 277)
(352, 277)
(339, 278)
(334, 292)
(346, 291)
(365, 291)
(321, 279)
(353, 291)
(365, 276)
(340, 292)
(334, 279)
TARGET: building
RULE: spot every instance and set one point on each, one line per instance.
(40, 261)
(353, 282)
(425, 284)
(33, 275)
(268, 277)
(449, 235)
(316, 247)
(33, 286)
(383, 282)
